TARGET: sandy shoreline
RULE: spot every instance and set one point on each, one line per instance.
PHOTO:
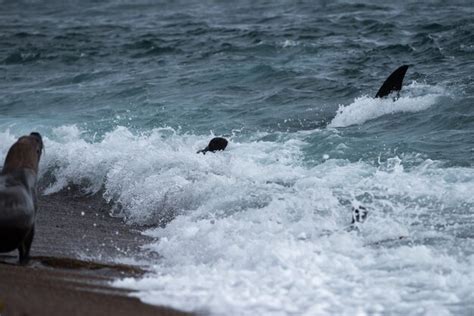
(72, 263)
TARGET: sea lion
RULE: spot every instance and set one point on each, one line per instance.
(217, 143)
(18, 203)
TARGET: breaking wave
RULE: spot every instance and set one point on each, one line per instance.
(367, 108)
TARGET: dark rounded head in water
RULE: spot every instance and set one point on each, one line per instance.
(217, 143)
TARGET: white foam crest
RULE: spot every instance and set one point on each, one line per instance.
(278, 247)
(6, 140)
(290, 43)
(416, 98)
(159, 174)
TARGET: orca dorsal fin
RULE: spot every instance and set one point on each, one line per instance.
(393, 82)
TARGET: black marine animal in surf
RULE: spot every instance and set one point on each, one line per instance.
(393, 83)
(217, 143)
(18, 202)
(359, 214)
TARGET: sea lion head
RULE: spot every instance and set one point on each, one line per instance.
(24, 154)
(217, 143)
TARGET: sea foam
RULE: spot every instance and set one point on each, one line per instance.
(292, 255)
(256, 230)
(416, 98)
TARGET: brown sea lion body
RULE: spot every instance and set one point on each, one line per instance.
(18, 202)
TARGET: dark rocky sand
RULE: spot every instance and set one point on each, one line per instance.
(72, 263)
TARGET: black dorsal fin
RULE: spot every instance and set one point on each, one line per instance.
(393, 83)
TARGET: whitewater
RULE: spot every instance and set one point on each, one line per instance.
(256, 229)
(125, 94)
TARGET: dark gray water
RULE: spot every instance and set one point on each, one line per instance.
(125, 93)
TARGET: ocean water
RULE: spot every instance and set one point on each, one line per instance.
(126, 92)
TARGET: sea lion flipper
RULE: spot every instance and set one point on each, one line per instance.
(393, 82)
(25, 247)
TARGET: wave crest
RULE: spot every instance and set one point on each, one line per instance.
(417, 97)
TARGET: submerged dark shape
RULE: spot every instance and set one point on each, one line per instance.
(393, 82)
(359, 214)
(217, 143)
(18, 203)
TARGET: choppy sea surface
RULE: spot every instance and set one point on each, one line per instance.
(126, 92)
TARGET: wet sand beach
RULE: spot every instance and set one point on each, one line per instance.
(72, 263)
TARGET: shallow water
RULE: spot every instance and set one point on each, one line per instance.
(126, 93)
